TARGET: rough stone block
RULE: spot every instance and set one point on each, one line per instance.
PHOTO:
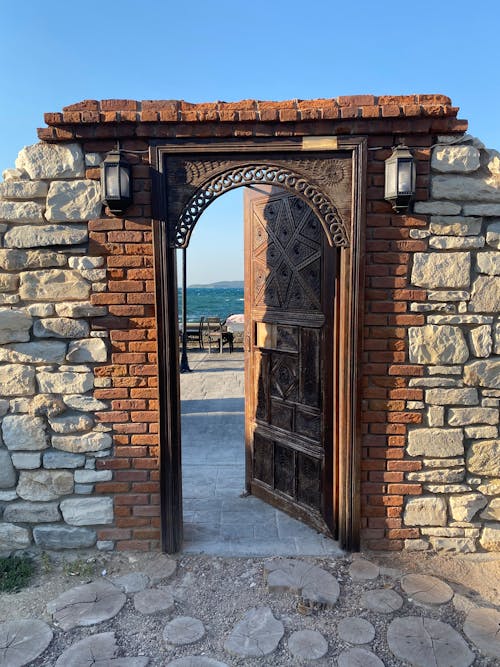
(493, 234)
(483, 458)
(17, 260)
(86, 262)
(436, 208)
(448, 270)
(17, 380)
(72, 201)
(36, 352)
(90, 442)
(492, 512)
(457, 159)
(65, 382)
(466, 416)
(480, 341)
(24, 432)
(26, 460)
(456, 242)
(71, 423)
(8, 283)
(84, 309)
(48, 161)
(53, 285)
(87, 511)
(29, 236)
(61, 327)
(85, 403)
(451, 396)
(492, 210)
(26, 211)
(15, 325)
(13, 537)
(26, 512)
(489, 263)
(55, 459)
(485, 295)
(483, 373)
(8, 476)
(91, 350)
(41, 485)
(64, 537)
(425, 511)
(23, 189)
(462, 545)
(435, 442)
(432, 344)
(464, 508)
(92, 476)
(466, 188)
(490, 538)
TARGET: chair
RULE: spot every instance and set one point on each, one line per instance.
(212, 331)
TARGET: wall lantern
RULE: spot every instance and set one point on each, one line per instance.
(400, 178)
(116, 182)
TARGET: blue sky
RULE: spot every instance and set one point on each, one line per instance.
(54, 54)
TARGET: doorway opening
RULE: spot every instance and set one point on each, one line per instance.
(222, 513)
(302, 350)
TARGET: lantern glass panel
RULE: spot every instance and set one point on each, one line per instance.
(112, 182)
(391, 168)
(124, 182)
(405, 176)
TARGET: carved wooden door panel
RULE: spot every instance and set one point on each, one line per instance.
(289, 298)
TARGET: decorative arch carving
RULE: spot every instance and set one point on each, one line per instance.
(197, 183)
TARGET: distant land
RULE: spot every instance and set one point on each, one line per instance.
(223, 284)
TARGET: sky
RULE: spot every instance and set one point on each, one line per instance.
(54, 54)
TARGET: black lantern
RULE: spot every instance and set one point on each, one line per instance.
(400, 178)
(116, 182)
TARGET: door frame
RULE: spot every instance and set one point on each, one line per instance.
(346, 341)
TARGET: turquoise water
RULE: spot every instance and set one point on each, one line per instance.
(211, 302)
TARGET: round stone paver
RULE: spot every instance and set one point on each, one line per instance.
(482, 627)
(86, 605)
(159, 568)
(196, 661)
(132, 582)
(257, 634)
(307, 645)
(361, 570)
(99, 650)
(356, 630)
(23, 641)
(382, 600)
(426, 589)
(153, 600)
(359, 657)
(424, 642)
(312, 583)
(183, 630)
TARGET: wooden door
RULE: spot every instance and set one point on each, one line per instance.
(289, 304)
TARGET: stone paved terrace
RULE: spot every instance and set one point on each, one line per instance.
(218, 518)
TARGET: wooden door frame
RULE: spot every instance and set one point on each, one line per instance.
(346, 340)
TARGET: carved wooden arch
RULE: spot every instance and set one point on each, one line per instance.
(173, 188)
(215, 178)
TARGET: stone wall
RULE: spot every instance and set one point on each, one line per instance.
(78, 396)
(456, 448)
(50, 438)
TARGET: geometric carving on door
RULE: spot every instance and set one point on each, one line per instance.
(287, 231)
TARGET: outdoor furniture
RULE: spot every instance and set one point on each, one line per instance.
(213, 331)
(193, 332)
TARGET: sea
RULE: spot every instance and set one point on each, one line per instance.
(211, 302)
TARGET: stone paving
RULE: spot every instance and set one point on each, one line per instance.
(219, 519)
(387, 618)
(418, 640)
